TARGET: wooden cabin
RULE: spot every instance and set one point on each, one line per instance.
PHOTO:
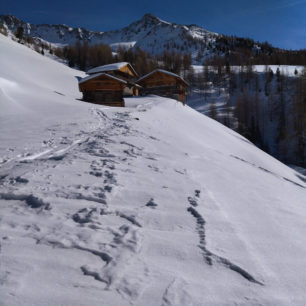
(108, 84)
(163, 83)
(102, 88)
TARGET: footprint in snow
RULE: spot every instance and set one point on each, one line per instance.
(151, 203)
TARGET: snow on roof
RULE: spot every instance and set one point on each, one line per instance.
(93, 76)
(163, 71)
(110, 67)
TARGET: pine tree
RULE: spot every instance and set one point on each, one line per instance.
(227, 67)
(227, 117)
(278, 74)
(199, 56)
(201, 83)
(282, 128)
(186, 63)
(206, 80)
(299, 115)
(212, 110)
(19, 33)
(242, 113)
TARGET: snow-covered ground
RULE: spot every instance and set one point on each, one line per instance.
(152, 204)
(288, 70)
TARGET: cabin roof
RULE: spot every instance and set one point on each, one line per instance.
(96, 75)
(111, 67)
(165, 72)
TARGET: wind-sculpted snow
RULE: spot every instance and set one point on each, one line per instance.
(30, 200)
(151, 204)
(210, 257)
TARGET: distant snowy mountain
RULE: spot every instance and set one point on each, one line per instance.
(155, 35)
(151, 204)
(149, 33)
(56, 34)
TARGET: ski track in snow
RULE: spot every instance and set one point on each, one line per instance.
(270, 172)
(112, 235)
(209, 257)
(122, 248)
(176, 294)
(123, 242)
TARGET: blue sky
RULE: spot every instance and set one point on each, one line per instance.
(280, 22)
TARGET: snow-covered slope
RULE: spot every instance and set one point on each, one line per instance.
(152, 204)
(286, 70)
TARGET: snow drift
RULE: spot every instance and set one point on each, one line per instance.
(152, 204)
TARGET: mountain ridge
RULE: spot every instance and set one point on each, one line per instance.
(150, 33)
(153, 35)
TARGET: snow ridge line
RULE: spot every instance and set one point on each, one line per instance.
(176, 293)
(166, 300)
(270, 172)
(209, 256)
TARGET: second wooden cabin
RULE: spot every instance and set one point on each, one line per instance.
(108, 84)
(163, 83)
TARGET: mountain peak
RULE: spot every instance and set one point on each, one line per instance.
(149, 18)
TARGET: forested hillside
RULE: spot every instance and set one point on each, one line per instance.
(268, 106)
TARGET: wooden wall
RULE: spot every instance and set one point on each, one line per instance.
(164, 85)
(101, 83)
(103, 90)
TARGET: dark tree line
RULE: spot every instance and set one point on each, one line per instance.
(280, 106)
(142, 61)
(268, 108)
(249, 57)
(245, 51)
(84, 57)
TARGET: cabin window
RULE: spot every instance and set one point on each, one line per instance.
(98, 83)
